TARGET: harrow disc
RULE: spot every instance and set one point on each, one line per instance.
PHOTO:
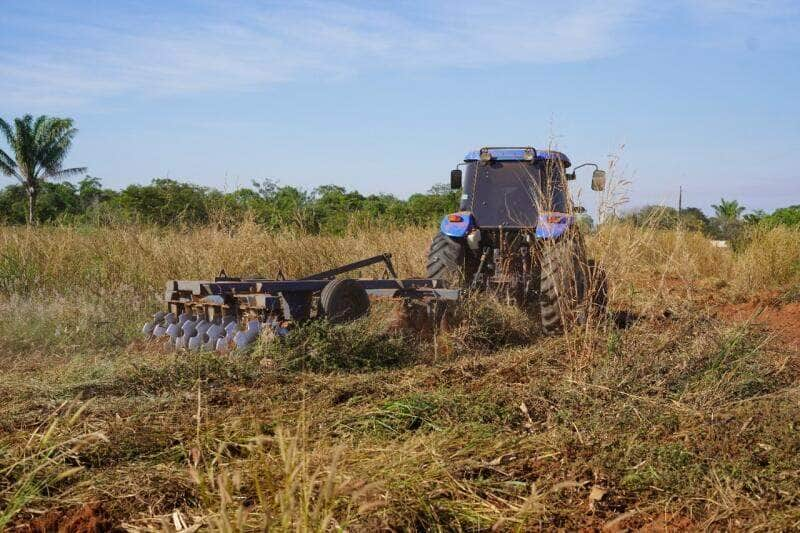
(149, 327)
(194, 332)
(243, 338)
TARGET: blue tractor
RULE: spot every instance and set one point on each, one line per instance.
(516, 235)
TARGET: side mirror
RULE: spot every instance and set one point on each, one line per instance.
(598, 180)
(571, 176)
(455, 179)
(579, 209)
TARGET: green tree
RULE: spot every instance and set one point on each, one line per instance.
(91, 192)
(39, 148)
(56, 200)
(653, 216)
(693, 219)
(664, 217)
(727, 218)
(788, 216)
(328, 209)
(755, 217)
(267, 188)
(164, 202)
(13, 205)
(428, 208)
(729, 210)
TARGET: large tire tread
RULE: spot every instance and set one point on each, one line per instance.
(562, 286)
(446, 259)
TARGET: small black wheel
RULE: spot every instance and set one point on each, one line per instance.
(343, 300)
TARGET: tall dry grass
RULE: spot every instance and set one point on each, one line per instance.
(138, 260)
(65, 289)
(93, 260)
(769, 260)
(46, 459)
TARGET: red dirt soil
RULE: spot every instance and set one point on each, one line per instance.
(90, 518)
(783, 319)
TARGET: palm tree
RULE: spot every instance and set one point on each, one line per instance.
(726, 221)
(728, 210)
(39, 149)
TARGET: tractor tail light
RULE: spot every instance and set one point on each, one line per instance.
(455, 218)
(554, 219)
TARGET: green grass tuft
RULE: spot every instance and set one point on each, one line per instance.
(320, 346)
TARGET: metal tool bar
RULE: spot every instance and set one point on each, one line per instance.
(202, 288)
(421, 293)
(386, 258)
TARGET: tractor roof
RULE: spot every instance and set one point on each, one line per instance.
(518, 154)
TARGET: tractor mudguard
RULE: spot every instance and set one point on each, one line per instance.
(457, 224)
(553, 225)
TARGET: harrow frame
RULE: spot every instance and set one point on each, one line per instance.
(201, 313)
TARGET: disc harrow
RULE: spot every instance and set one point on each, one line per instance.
(229, 313)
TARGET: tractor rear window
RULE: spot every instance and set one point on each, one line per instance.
(511, 193)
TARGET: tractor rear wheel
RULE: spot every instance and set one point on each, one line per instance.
(446, 258)
(563, 285)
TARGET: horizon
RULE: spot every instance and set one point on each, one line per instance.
(625, 209)
(317, 93)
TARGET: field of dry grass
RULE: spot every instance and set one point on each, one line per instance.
(681, 415)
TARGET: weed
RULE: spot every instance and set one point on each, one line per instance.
(668, 467)
(323, 347)
(44, 461)
(484, 322)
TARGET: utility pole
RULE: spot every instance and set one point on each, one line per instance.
(680, 199)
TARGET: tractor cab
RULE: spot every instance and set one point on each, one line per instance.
(508, 187)
(512, 189)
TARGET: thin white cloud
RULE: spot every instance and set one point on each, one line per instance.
(245, 46)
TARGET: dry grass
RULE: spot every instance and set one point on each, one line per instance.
(681, 420)
(69, 261)
(770, 260)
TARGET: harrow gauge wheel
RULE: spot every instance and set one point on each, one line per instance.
(343, 300)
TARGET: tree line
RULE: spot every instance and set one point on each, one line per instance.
(727, 223)
(37, 149)
(326, 209)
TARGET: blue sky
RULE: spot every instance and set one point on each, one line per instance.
(387, 96)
